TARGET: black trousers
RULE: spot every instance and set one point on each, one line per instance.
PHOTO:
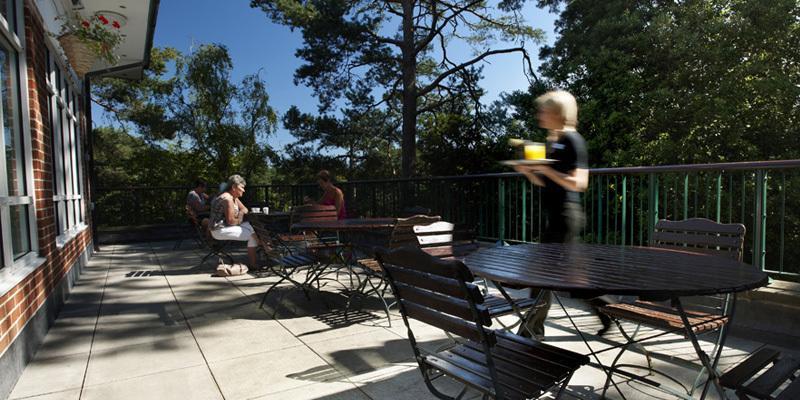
(561, 226)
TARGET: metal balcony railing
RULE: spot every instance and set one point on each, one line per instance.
(621, 204)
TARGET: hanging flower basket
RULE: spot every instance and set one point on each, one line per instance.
(84, 41)
(80, 56)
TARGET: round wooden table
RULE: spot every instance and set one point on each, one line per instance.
(277, 221)
(589, 270)
(343, 225)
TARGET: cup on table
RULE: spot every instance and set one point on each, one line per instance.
(255, 210)
(535, 151)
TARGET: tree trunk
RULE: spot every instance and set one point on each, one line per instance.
(409, 72)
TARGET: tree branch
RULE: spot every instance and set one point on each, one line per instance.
(427, 89)
(383, 39)
(437, 30)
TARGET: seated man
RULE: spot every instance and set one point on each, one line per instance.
(197, 200)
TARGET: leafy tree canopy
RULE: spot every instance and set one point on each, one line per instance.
(398, 46)
(190, 102)
(680, 82)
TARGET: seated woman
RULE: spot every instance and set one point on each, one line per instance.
(227, 218)
(197, 199)
(332, 196)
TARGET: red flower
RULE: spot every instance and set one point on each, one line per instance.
(85, 24)
(115, 24)
(103, 19)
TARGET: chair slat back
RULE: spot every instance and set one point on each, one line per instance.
(438, 292)
(446, 240)
(265, 238)
(701, 235)
(313, 213)
(403, 232)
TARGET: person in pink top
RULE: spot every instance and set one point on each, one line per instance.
(332, 196)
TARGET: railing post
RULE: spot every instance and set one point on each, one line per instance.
(652, 206)
(624, 207)
(501, 209)
(686, 196)
(522, 184)
(600, 199)
(759, 233)
(783, 221)
(719, 197)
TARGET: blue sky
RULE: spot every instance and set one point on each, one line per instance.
(255, 43)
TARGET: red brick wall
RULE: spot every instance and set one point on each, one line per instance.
(21, 303)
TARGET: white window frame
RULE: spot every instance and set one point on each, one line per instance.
(68, 187)
(13, 271)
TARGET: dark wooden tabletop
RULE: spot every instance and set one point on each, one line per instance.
(272, 214)
(349, 224)
(587, 269)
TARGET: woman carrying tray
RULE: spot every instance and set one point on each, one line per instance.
(562, 181)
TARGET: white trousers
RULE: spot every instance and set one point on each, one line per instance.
(243, 232)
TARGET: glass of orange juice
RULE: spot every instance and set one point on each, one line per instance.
(535, 151)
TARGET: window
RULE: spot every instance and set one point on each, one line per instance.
(67, 172)
(17, 215)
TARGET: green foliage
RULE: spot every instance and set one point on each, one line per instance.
(687, 82)
(398, 49)
(190, 104)
(124, 160)
(359, 144)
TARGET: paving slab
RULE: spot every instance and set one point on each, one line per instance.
(236, 337)
(157, 325)
(319, 391)
(265, 373)
(120, 363)
(186, 383)
(363, 352)
(70, 394)
(43, 376)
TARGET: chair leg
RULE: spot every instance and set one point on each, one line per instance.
(630, 342)
(264, 298)
(203, 261)
(564, 386)
(426, 377)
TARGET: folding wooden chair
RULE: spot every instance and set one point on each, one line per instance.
(449, 241)
(285, 262)
(402, 236)
(498, 364)
(309, 252)
(765, 375)
(707, 314)
(218, 248)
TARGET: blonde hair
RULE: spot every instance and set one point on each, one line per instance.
(563, 103)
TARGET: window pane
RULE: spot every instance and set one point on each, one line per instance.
(64, 135)
(62, 216)
(7, 9)
(15, 165)
(20, 233)
(54, 148)
(72, 157)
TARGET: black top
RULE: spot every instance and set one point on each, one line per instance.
(569, 151)
(591, 270)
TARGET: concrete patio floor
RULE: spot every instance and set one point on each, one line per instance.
(146, 322)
